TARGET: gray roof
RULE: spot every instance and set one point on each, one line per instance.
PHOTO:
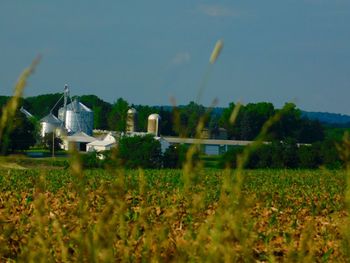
(178, 140)
(102, 143)
(26, 113)
(80, 137)
(50, 118)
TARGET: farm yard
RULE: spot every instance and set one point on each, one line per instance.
(195, 214)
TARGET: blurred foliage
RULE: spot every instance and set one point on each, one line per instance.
(140, 152)
(51, 142)
(175, 156)
(287, 154)
(19, 134)
(117, 115)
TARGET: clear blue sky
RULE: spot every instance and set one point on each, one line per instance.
(149, 51)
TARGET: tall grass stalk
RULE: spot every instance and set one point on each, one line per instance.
(9, 110)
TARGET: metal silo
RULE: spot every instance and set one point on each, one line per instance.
(49, 124)
(131, 120)
(77, 117)
(153, 126)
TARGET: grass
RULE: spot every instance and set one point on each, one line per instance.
(151, 215)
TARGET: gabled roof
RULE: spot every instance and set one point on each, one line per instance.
(107, 141)
(101, 143)
(50, 118)
(80, 137)
(109, 138)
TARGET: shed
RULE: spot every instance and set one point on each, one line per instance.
(78, 140)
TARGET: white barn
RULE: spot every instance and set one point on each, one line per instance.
(102, 145)
(78, 140)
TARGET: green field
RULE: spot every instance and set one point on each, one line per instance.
(173, 215)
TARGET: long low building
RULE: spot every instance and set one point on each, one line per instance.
(209, 146)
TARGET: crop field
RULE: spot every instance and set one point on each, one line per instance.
(173, 215)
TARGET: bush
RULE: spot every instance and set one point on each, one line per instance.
(140, 152)
(171, 157)
(91, 160)
(175, 156)
(229, 158)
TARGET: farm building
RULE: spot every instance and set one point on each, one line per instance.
(78, 140)
(102, 145)
(208, 146)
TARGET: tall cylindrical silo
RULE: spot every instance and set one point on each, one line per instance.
(131, 123)
(153, 126)
(78, 117)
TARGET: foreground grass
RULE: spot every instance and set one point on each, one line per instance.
(169, 215)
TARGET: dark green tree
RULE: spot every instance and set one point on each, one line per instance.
(166, 124)
(117, 115)
(289, 124)
(3, 100)
(142, 116)
(229, 158)
(41, 105)
(140, 151)
(175, 156)
(309, 156)
(100, 108)
(290, 155)
(19, 134)
(188, 119)
(171, 157)
(310, 131)
(224, 122)
(51, 142)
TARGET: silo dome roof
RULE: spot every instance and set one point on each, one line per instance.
(131, 111)
(77, 106)
(154, 116)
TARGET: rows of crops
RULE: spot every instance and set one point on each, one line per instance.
(61, 215)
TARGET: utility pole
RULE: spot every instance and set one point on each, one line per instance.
(53, 144)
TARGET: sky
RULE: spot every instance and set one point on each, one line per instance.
(156, 51)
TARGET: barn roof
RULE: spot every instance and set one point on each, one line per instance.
(81, 137)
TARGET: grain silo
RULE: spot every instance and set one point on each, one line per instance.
(131, 120)
(49, 124)
(153, 126)
(77, 117)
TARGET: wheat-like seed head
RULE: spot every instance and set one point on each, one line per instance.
(216, 52)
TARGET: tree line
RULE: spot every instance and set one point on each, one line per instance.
(183, 120)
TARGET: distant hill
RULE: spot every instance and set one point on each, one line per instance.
(333, 119)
